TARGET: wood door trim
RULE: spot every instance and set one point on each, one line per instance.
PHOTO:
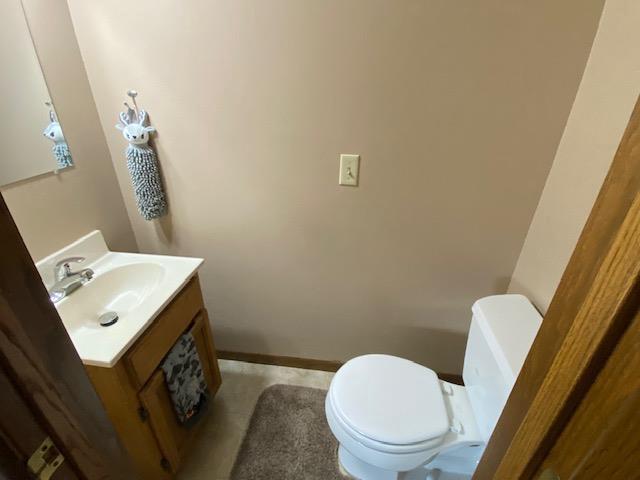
(602, 435)
(306, 363)
(38, 355)
(280, 360)
(581, 355)
(592, 306)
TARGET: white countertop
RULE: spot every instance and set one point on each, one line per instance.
(136, 286)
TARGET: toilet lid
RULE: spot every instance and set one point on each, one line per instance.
(390, 399)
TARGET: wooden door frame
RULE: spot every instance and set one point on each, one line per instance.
(595, 302)
(38, 355)
(601, 439)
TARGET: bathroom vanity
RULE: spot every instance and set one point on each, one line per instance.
(150, 301)
(134, 392)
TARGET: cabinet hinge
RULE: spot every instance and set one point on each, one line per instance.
(143, 414)
(45, 460)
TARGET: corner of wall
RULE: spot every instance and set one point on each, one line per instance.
(605, 99)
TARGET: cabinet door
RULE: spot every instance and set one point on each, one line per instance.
(201, 332)
(172, 437)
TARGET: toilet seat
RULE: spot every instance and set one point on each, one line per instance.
(389, 404)
(386, 448)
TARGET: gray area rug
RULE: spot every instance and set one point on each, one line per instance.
(288, 438)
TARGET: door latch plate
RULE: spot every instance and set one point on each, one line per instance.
(548, 474)
(45, 460)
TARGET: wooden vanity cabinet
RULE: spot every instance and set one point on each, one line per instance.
(136, 397)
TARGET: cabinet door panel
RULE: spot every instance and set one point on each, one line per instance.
(201, 332)
(172, 437)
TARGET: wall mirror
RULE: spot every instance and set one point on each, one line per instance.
(32, 139)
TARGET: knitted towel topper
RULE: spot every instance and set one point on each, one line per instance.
(141, 161)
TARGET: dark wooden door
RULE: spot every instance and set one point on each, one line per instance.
(22, 434)
(43, 367)
(11, 466)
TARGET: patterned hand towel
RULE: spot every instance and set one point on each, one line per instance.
(185, 380)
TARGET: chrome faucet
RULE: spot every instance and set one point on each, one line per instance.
(66, 280)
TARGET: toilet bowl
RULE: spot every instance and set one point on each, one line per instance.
(394, 418)
(391, 415)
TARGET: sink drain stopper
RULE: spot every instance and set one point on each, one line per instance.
(108, 319)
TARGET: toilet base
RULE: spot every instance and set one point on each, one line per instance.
(359, 470)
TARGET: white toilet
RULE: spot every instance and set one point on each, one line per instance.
(395, 420)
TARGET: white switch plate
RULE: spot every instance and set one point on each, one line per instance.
(349, 169)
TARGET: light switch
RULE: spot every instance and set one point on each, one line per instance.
(349, 169)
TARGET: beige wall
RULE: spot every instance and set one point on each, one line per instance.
(53, 210)
(456, 108)
(604, 102)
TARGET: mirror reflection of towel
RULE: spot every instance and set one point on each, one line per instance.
(185, 380)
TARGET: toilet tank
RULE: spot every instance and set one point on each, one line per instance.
(502, 331)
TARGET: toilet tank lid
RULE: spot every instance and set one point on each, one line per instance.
(510, 324)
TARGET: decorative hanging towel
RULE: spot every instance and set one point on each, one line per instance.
(142, 162)
(60, 148)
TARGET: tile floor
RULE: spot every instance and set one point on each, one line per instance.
(219, 438)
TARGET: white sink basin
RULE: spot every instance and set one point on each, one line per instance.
(120, 290)
(136, 287)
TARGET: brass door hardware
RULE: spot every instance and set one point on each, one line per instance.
(45, 460)
(548, 474)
